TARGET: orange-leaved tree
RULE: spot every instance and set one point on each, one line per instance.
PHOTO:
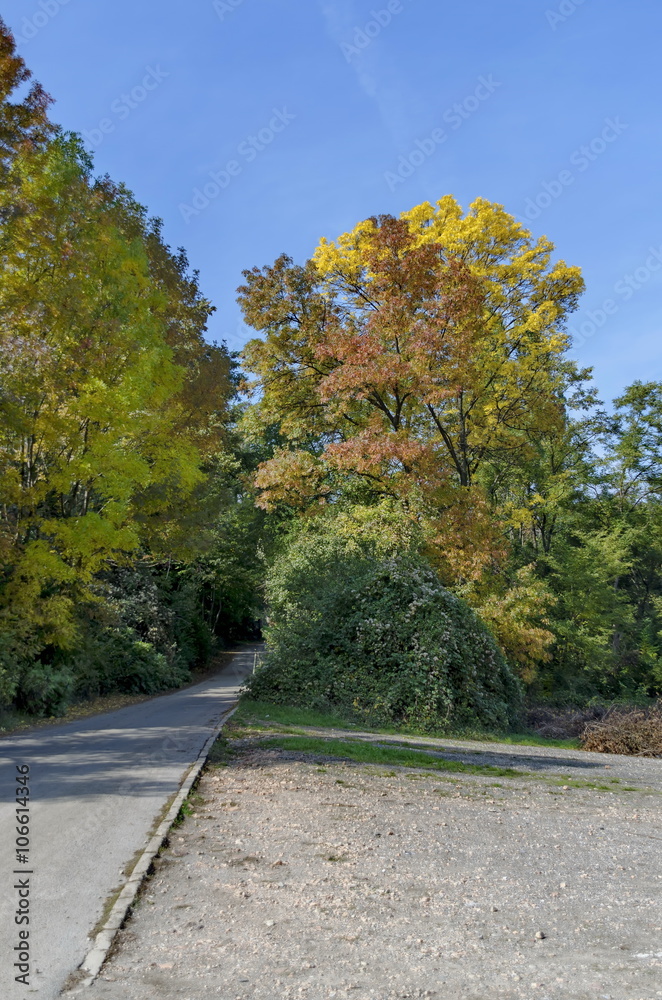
(409, 354)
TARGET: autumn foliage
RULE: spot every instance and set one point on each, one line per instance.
(111, 404)
(374, 635)
(409, 391)
(410, 354)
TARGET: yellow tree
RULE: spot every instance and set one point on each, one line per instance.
(410, 353)
(111, 399)
(112, 405)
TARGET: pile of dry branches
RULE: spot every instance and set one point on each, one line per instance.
(634, 731)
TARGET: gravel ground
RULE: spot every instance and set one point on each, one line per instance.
(301, 877)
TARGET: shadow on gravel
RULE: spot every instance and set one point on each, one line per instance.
(516, 760)
(255, 752)
(499, 758)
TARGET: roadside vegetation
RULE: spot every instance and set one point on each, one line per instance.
(128, 533)
(266, 715)
(404, 477)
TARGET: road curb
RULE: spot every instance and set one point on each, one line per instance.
(96, 956)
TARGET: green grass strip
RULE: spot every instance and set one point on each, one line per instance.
(250, 711)
(368, 753)
(254, 713)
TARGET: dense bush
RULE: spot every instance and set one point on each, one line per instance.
(117, 660)
(44, 690)
(378, 636)
(143, 633)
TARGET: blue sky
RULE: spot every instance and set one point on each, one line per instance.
(313, 114)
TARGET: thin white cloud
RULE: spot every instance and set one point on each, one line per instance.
(380, 81)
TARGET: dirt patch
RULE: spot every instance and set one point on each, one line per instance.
(302, 877)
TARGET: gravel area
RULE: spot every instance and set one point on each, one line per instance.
(301, 877)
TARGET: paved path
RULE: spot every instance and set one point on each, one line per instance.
(97, 787)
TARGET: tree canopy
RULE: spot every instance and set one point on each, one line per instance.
(412, 353)
(409, 431)
(113, 405)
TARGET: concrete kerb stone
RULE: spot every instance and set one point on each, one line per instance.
(96, 956)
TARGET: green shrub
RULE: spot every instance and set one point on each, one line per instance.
(141, 635)
(118, 661)
(381, 637)
(190, 635)
(11, 663)
(45, 690)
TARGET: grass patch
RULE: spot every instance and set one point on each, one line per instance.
(252, 712)
(264, 714)
(220, 753)
(185, 810)
(368, 753)
(188, 807)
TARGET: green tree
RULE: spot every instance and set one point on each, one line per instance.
(112, 404)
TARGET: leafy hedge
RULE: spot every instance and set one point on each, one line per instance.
(380, 637)
(143, 634)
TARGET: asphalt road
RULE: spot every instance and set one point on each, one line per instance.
(97, 786)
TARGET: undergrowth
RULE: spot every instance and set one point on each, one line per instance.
(256, 713)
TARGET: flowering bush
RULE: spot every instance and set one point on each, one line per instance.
(380, 636)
